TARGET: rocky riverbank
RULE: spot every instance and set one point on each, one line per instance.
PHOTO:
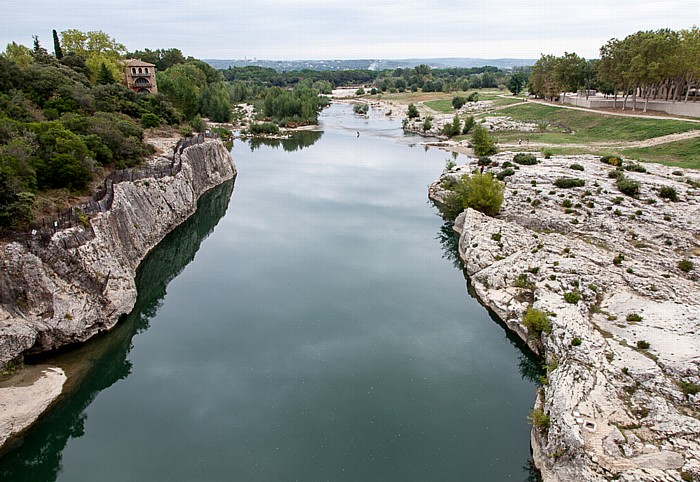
(79, 282)
(618, 277)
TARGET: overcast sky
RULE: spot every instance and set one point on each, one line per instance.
(342, 29)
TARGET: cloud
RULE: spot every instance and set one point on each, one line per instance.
(313, 29)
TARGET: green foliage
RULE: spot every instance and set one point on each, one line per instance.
(412, 111)
(198, 124)
(473, 97)
(525, 159)
(634, 317)
(482, 143)
(689, 388)
(458, 102)
(536, 321)
(300, 105)
(611, 160)
(685, 265)
(427, 125)
(105, 76)
(468, 125)
(635, 167)
(215, 102)
(643, 344)
(149, 120)
(617, 260)
(576, 167)
(477, 191)
(452, 129)
(362, 109)
(668, 192)
(627, 186)
(539, 419)
(576, 341)
(572, 297)
(264, 128)
(569, 182)
(505, 173)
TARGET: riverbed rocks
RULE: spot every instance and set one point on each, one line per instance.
(619, 278)
(80, 281)
(436, 123)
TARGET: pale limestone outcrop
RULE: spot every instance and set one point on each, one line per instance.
(81, 281)
(616, 409)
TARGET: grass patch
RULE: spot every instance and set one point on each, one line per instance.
(684, 153)
(589, 127)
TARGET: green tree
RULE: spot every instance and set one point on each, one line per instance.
(105, 76)
(482, 143)
(481, 192)
(412, 111)
(516, 82)
(57, 46)
(215, 102)
(19, 54)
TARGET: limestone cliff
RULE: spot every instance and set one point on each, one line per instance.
(623, 354)
(79, 282)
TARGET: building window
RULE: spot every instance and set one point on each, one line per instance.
(140, 70)
(133, 70)
(146, 69)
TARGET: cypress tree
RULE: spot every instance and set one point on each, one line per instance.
(57, 46)
(105, 76)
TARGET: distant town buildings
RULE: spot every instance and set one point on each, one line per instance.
(140, 76)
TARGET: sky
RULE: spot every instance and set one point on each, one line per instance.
(343, 29)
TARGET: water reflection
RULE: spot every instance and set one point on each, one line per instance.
(102, 362)
(298, 141)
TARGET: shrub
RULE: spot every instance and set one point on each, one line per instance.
(468, 124)
(473, 97)
(361, 109)
(617, 260)
(458, 102)
(482, 143)
(635, 167)
(427, 125)
(547, 153)
(627, 186)
(478, 191)
(643, 344)
(611, 160)
(149, 120)
(569, 182)
(566, 203)
(576, 341)
(576, 167)
(616, 174)
(496, 236)
(685, 265)
(634, 317)
(689, 388)
(525, 159)
(264, 128)
(536, 321)
(505, 173)
(572, 297)
(539, 419)
(667, 192)
(412, 111)
(360, 91)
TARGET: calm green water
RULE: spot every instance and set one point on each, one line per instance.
(310, 325)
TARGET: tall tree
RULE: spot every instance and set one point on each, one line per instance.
(57, 46)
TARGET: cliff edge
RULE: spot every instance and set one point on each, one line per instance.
(66, 288)
(618, 277)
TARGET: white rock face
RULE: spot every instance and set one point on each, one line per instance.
(78, 284)
(616, 409)
(24, 397)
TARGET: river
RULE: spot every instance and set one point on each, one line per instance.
(311, 324)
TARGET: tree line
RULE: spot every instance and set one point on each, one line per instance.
(654, 64)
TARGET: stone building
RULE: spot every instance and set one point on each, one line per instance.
(140, 76)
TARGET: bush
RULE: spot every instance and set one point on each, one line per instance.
(635, 167)
(539, 419)
(468, 124)
(458, 102)
(576, 167)
(611, 160)
(427, 125)
(617, 260)
(685, 265)
(473, 97)
(634, 317)
(667, 192)
(627, 186)
(536, 321)
(198, 124)
(361, 109)
(505, 173)
(569, 182)
(689, 388)
(482, 143)
(576, 341)
(616, 174)
(264, 128)
(412, 111)
(572, 297)
(525, 159)
(149, 120)
(478, 191)
(643, 344)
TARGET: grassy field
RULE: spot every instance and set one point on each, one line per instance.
(682, 153)
(591, 127)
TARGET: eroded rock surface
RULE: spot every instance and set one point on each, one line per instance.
(79, 282)
(624, 360)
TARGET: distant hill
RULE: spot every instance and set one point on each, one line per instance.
(369, 64)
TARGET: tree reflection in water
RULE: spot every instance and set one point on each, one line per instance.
(102, 362)
(296, 142)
